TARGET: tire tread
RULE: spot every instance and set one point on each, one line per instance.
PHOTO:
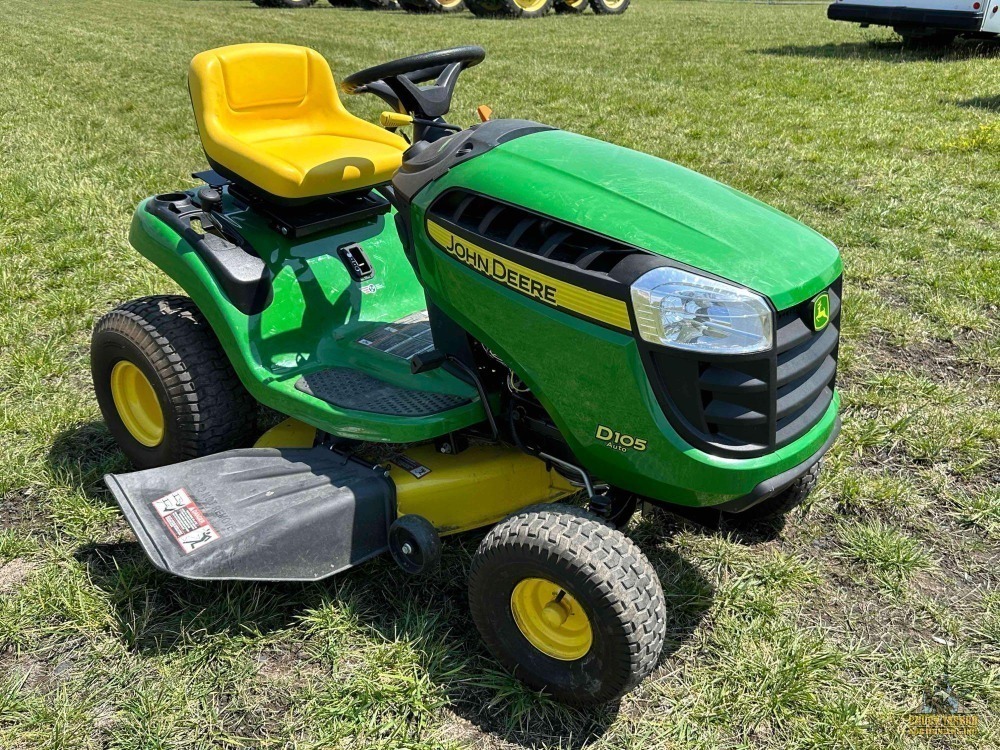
(212, 408)
(568, 537)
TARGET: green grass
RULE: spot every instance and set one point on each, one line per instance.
(822, 633)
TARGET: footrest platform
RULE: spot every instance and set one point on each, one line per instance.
(356, 390)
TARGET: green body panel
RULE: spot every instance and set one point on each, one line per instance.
(655, 205)
(317, 315)
(586, 375)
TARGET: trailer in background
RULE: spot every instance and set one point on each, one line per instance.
(923, 22)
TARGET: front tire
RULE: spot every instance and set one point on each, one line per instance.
(164, 385)
(569, 605)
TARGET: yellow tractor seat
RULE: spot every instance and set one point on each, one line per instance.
(269, 115)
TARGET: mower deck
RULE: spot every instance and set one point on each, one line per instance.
(258, 514)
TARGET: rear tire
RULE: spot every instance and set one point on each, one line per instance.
(164, 385)
(609, 7)
(570, 6)
(509, 8)
(569, 605)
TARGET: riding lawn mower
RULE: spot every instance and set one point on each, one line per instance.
(459, 330)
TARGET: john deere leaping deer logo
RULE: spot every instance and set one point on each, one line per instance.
(821, 311)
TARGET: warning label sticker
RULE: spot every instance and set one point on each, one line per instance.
(404, 338)
(408, 464)
(185, 521)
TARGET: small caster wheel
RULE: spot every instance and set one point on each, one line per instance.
(414, 544)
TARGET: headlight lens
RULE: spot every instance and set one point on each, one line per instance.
(683, 310)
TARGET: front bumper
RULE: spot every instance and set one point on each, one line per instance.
(775, 485)
(952, 20)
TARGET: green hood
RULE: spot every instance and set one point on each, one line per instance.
(658, 206)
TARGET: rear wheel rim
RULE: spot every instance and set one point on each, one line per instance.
(449, 3)
(551, 619)
(614, 4)
(137, 405)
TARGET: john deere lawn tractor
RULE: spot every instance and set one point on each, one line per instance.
(459, 331)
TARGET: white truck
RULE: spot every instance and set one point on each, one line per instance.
(923, 22)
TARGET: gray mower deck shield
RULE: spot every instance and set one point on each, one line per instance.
(263, 514)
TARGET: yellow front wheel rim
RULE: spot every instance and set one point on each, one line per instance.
(614, 4)
(551, 619)
(530, 5)
(137, 404)
(449, 3)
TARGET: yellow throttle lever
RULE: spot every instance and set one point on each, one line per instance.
(394, 120)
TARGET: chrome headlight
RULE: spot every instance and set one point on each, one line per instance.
(683, 310)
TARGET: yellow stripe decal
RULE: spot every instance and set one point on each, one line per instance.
(527, 281)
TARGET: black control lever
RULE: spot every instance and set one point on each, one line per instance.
(435, 358)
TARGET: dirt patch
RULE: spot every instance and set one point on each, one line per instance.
(291, 668)
(19, 509)
(14, 574)
(938, 359)
(34, 671)
(455, 729)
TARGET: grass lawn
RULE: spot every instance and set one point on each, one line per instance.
(821, 633)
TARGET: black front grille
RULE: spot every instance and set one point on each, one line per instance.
(752, 404)
(530, 232)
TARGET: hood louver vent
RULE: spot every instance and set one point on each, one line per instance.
(529, 232)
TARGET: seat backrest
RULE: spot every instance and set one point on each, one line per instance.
(254, 92)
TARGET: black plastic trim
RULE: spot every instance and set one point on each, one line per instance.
(771, 487)
(243, 276)
(606, 283)
(953, 20)
(426, 161)
(748, 405)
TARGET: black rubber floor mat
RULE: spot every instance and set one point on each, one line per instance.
(351, 389)
(258, 514)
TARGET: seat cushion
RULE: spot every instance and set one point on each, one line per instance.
(321, 164)
(269, 114)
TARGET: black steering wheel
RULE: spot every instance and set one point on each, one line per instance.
(397, 82)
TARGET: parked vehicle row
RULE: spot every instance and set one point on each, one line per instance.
(489, 8)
